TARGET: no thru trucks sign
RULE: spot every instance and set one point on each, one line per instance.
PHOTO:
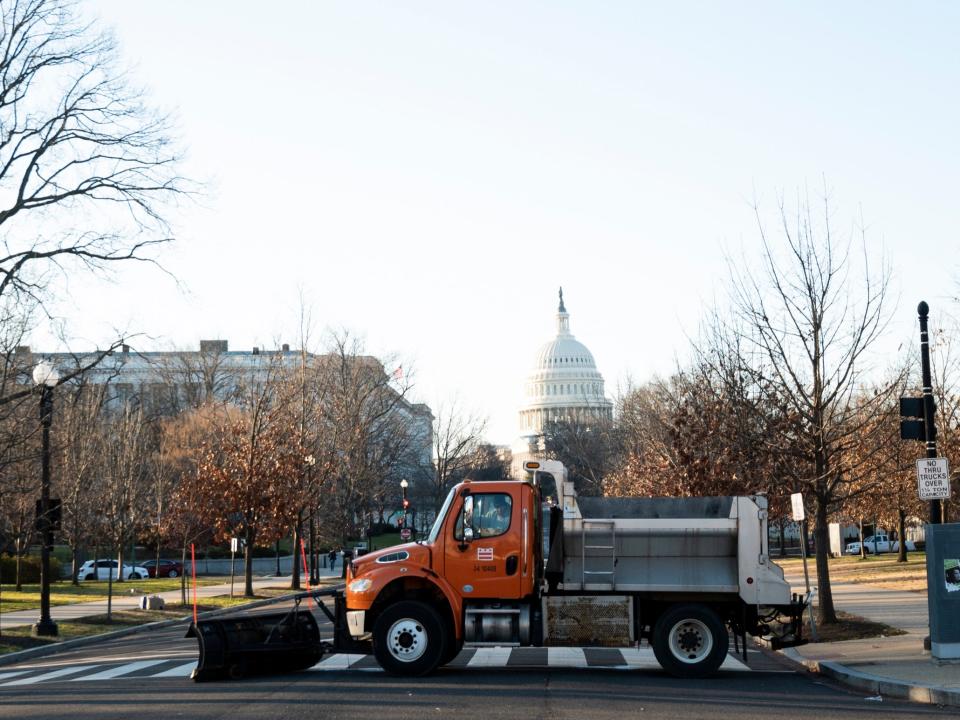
(933, 478)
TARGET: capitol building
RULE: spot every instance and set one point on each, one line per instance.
(564, 386)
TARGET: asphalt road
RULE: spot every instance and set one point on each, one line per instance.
(145, 676)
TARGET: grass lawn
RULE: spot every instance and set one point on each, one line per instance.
(881, 570)
(63, 593)
(850, 627)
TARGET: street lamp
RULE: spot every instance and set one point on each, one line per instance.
(46, 377)
(405, 503)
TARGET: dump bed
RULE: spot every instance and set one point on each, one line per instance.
(687, 546)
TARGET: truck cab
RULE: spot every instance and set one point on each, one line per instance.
(677, 572)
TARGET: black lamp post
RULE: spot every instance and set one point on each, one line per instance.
(46, 377)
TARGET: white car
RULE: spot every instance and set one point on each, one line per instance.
(877, 544)
(103, 569)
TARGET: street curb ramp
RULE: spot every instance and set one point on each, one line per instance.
(877, 685)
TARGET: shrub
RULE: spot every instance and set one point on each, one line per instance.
(29, 569)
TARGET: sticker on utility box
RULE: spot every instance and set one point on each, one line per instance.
(484, 554)
(951, 574)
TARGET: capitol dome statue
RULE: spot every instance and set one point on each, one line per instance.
(565, 386)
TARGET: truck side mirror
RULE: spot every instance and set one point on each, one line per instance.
(466, 522)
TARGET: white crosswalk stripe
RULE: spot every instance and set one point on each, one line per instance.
(113, 672)
(55, 674)
(183, 670)
(486, 657)
(490, 657)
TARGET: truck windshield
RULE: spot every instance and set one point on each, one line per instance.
(438, 523)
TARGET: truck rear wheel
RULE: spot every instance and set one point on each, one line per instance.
(690, 641)
(409, 638)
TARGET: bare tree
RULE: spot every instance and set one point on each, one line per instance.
(457, 435)
(75, 141)
(80, 441)
(809, 315)
(586, 446)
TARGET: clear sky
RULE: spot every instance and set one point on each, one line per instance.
(428, 173)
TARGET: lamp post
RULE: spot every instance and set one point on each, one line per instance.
(404, 503)
(46, 377)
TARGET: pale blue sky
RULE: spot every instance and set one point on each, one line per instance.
(430, 172)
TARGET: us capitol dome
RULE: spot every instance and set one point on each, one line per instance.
(565, 386)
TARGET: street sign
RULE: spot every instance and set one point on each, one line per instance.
(405, 534)
(796, 499)
(234, 544)
(933, 478)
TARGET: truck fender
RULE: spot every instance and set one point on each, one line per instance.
(424, 585)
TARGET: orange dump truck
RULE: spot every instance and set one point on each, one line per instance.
(528, 563)
(502, 567)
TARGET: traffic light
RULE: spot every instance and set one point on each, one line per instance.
(912, 424)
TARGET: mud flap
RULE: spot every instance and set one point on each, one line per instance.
(275, 643)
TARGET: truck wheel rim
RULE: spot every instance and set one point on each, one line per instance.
(690, 641)
(407, 640)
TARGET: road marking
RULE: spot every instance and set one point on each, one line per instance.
(639, 659)
(340, 661)
(183, 670)
(566, 657)
(731, 663)
(50, 675)
(118, 671)
(6, 675)
(490, 657)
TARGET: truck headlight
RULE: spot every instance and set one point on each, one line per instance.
(361, 585)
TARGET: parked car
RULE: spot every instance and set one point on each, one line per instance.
(166, 568)
(102, 569)
(877, 544)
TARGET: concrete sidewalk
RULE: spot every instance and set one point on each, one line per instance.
(894, 666)
(124, 599)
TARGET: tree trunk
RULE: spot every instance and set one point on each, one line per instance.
(901, 535)
(120, 560)
(19, 582)
(295, 572)
(826, 614)
(248, 565)
(783, 538)
(110, 592)
(183, 576)
(74, 564)
(863, 547)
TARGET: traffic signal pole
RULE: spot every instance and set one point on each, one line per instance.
(930, 430)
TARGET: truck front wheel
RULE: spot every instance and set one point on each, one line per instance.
(409, 638)
(690, 641)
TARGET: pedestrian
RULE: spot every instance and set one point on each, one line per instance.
(332, 556)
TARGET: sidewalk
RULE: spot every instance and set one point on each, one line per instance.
(894, 666)
(123, 599)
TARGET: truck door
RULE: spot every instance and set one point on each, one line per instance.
(482, 555)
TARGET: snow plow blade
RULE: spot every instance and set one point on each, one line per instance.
(275, 643)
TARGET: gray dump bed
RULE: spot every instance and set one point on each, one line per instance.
(712, 545)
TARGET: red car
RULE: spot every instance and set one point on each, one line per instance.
(166, 568)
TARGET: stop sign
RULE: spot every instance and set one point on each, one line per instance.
(405, 534)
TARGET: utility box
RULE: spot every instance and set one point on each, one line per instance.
(152, 602)
(943, 593)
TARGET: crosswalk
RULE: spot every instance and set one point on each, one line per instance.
(486, 658)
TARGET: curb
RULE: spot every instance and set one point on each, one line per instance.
(876, 684)
(56, 648)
